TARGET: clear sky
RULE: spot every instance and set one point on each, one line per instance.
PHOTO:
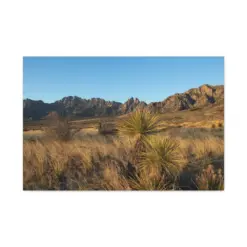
(117, 78)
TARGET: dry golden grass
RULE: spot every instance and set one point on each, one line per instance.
(199, 148)
(89, 130)
(192, 124)
(209, 179)
(185, 152)
(95, 162)
(33, 132)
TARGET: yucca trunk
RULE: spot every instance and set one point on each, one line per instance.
(139, 148)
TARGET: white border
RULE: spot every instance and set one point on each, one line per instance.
(115, 28)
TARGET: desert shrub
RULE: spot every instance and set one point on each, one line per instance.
(161, 157)
(139, 125)
(145, 182)
(209, 179)
(105, 128)
(60, 129)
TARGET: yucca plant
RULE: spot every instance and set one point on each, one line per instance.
(145, 182)
(139, 125)
(160, 157)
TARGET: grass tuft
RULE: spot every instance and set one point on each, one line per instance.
(209, 179)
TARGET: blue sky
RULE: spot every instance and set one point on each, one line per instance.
(117, 78)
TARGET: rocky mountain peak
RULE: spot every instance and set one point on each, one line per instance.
(77, 107)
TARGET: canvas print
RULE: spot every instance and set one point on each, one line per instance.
(123, 123)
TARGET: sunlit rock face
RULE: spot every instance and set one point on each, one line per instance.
(75, 106)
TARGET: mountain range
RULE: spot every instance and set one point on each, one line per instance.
(77, 107)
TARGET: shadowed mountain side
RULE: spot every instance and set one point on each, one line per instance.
(74, 106)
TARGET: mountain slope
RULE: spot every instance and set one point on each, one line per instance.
(203, 96)
(130, 105)
(77, 107)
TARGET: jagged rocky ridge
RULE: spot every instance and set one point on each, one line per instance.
(193, 98)
(96, 107)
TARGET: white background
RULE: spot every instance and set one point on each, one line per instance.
(113, 28)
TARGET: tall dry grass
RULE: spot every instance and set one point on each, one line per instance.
(139, 158)
(104, 163)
